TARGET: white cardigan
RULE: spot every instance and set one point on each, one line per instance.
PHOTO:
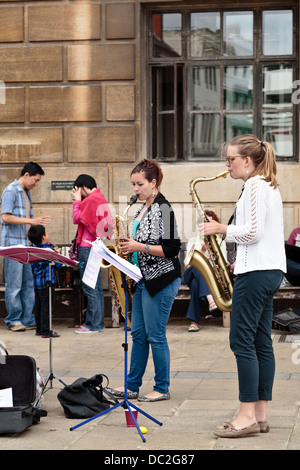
(258, 232)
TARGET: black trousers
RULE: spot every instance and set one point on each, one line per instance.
(41, 309)
(250, 332)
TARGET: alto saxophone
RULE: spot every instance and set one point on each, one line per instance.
(118, 279)
(214, 270)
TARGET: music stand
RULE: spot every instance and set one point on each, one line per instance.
(125, 403)
(27, 255)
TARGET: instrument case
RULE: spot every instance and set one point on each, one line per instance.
(19, 374)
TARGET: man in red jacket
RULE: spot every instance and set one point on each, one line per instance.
(92, 215)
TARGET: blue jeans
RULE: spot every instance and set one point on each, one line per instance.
(94, 319)
(293, 272)
(19, 293)
(198, 290)
(149, 319)
(250, 333)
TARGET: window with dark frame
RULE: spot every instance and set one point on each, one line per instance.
(217, 74)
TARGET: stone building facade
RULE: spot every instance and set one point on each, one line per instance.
(75, 98)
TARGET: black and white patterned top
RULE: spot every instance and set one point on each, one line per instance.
(158, 227)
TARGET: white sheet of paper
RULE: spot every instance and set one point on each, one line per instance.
(98, 252)
(112, 258)
(6, 398)
(92, 268)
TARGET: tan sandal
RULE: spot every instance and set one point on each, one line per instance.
(193, 327)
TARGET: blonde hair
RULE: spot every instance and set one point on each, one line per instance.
(262, 154)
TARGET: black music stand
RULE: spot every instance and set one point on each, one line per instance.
(125, 403)
(27, 255)
(51, 374)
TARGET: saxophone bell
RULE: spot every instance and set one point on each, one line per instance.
(222, 298)
(110, 247)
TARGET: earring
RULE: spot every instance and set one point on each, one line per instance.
(153, 194)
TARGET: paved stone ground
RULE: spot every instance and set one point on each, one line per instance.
(203, 392)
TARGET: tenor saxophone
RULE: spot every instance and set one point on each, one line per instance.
(214, 268)
(118, 279)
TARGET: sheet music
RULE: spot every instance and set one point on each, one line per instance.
(98, 252)
(6, 398)
(92, 268)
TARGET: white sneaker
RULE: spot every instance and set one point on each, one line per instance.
(84, 330)
(285, 282)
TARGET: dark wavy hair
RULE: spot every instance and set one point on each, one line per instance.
(151, 169)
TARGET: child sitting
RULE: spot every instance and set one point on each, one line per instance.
(39, 237)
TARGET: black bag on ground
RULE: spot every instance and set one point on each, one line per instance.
(287, 320)
(85, 398)
(19, 374)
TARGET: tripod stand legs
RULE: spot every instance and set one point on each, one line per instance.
(126, 405)
(49, 378)
(51, 375)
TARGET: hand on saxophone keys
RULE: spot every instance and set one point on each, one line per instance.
(127, 245)
(212, 228)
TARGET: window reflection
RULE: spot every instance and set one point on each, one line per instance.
(277, 86)
(238, 87)
(211, 80)
(277, 34)
(205, 135)
(166, 35)
(237, 124)
(278, 130)
(238, 33)
(205, 88)
(205, 34)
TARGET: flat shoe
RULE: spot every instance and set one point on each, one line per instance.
(264, 426)
(17, 327)
(193, 327)
(165, 396)
(213, 309)
(121, 394)
(53, 334)
(228, 430)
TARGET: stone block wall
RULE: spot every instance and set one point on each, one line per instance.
(70, 85)
(75, 102)
(69, 71)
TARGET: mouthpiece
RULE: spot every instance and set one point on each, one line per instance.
(133, 199)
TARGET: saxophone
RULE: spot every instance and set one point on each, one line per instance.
(214, 270)
(117, 277)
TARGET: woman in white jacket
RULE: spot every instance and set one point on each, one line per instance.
(259, 267)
